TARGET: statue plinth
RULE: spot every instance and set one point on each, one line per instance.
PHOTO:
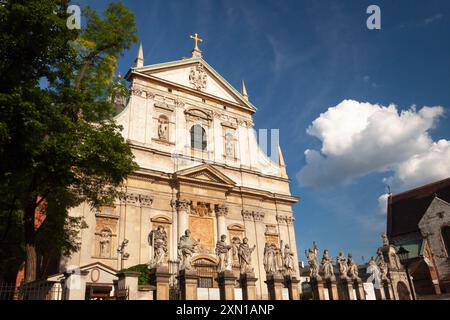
(358, 285)
(188, 284)
(161, 277)
(292, 284)
(317, 288)
(227, 283)
(248, 284)
(331, 286)
(275, 284)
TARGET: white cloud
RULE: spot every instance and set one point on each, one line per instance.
(434, 18)
(382, 204)
(359, 138)
(432, 165)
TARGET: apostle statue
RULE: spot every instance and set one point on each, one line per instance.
(327, 265)
(245, 256)
(352, 267)
(288, 259)
(311, 255)
(341, 262)
(186, 248)
(375, 274)
(382, 265)
(222, 252)
(270, 258)
(158, 242)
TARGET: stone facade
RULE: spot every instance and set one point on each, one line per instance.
(200, 168)
(433, 226)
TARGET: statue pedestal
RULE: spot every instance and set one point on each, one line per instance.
(275, 284)
(248, 284)
(330, 284)
(188, 284)
(346, 287)
(387, 290)
(161, 279)
(360, 294)
(292, 284)
(317, 289)
(227, 283)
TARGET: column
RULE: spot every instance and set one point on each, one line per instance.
(221, 214)
(360, 294)
(182, 206)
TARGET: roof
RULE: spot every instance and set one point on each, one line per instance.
(405, 210)
(415, 248)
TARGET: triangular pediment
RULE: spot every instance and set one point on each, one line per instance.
(205, 173)
(197, 75)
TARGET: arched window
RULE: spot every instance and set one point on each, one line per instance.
(445, 232)
(198, 137)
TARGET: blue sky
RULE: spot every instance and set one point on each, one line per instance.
(299, 58)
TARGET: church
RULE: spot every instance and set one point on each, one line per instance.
(201, 171)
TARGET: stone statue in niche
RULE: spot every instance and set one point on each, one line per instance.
(245, 256)
(158, 243)
(163, 128)
(105, 242)
(311, 255)
(327, 265)
(288, 259)
(222, 252)
(186, 248)
(229, 145)
(352, 267)
(270, 258)
(341, 262)
(235, 243)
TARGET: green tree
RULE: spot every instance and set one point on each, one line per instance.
(58, 143)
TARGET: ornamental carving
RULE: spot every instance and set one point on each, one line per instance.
(247, 215)
(202, 209)
(138, 199)
(258, 216)
(146, 201)
(221, 210)
(198, 77)
(181, 204)
(141, 92)
(132, 198)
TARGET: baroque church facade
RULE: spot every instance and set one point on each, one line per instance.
(200, 168)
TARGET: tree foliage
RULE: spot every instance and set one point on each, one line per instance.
(59, 145)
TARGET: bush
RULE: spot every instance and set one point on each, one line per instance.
(145, 275)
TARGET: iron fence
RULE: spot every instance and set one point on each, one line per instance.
(31, 291)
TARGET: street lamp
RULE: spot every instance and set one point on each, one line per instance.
(403, 254)
(121, 250)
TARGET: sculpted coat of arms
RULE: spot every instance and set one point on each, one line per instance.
(198, 77)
